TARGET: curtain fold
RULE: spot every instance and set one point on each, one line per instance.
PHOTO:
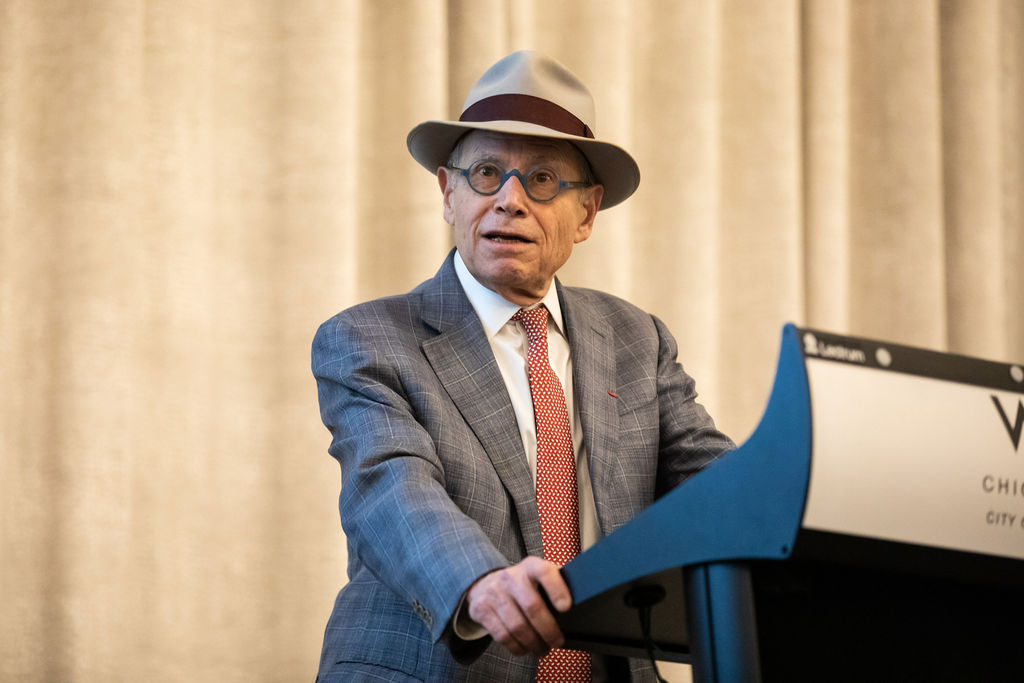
(188, 189)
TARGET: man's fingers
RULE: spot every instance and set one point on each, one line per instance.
(555, 587)
(493, 603)
(495, 625)
(509, 605)
(538, 617)
(494, 607)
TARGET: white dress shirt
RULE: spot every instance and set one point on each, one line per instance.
(509, 343)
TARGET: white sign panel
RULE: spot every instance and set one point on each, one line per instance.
(907, 458)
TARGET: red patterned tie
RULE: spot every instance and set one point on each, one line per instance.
(557, 500)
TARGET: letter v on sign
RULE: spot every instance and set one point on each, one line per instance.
(1017, 427)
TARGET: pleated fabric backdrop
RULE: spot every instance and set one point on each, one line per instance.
(188, 188)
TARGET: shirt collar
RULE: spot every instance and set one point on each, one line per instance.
(493, 309)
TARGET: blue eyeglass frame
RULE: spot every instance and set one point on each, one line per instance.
(562, 184)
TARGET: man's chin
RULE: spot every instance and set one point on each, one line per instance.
(514, 287)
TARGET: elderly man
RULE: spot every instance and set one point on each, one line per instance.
(492, 423)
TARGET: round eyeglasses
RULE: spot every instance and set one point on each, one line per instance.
(541, 184)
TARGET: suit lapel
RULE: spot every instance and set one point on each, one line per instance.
(462, 359)
(592, 344)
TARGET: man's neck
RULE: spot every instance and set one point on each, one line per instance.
(492, 308)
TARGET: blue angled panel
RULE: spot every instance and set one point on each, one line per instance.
(748, 504)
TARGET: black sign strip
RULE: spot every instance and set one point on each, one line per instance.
(911, 360)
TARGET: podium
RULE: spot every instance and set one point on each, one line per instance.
(871, 528)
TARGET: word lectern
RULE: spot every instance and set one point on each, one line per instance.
(870, 529)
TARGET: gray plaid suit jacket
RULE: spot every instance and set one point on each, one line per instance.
(436, 489)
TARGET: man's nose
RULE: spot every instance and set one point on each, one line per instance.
(512, 197)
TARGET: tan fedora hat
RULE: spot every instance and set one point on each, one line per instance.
(527, 93)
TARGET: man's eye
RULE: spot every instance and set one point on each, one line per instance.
(544, 177)
(487, 170)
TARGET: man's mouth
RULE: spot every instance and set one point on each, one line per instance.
(506, 237)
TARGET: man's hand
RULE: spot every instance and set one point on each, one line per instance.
(507, 603)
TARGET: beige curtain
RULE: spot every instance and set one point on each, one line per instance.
(188, 188)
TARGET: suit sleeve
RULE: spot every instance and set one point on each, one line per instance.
(688, 437)
(398, 519)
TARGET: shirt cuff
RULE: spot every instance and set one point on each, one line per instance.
(463, 625)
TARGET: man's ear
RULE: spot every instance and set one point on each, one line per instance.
(446, 180)
(590, 200)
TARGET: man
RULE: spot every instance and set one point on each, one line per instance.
(474, 440)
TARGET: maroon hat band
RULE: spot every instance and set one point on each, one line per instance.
(514, 107)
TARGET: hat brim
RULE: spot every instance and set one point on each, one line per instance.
(431, 142)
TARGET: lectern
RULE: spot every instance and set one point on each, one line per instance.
(870, 529)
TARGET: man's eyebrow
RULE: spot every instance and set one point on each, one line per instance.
(532, 161)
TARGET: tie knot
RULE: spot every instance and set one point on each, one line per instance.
(534, 321)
